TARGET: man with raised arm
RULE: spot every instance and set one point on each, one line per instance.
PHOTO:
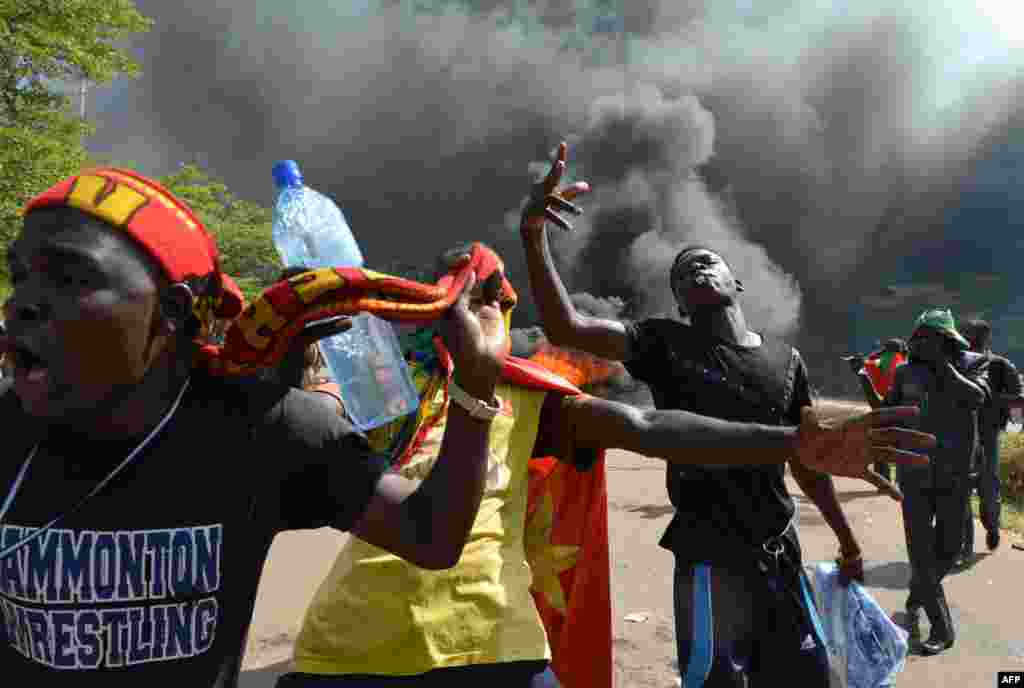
(742, 604)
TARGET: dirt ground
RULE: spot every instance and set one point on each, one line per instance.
(986, 599)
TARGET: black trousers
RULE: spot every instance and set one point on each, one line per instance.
(933, 522)
(986, 470)
(988, 479)
(738, 626)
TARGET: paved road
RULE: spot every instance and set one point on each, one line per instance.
(986, 600)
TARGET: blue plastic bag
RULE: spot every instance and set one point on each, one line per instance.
(866, 648)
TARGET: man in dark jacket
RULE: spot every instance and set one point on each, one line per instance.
(950, 385)
(742, 608)
(992, 419)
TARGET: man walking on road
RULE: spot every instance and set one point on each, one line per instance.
(950, 385)
(992, 419)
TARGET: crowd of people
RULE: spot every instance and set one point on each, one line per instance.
(143, 489)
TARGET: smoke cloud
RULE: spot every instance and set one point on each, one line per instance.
(811, 143)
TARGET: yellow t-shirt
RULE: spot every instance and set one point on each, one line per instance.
(378, 614)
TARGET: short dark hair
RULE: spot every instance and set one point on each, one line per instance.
(977, 330)
(895, 345)
(448, 258)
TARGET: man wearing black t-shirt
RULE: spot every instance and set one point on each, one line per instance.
(743, 610)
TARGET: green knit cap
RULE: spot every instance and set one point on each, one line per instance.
(941, 320)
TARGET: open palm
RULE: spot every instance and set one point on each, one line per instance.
(848, 448)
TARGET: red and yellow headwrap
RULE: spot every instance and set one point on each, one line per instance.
(163, 226)
(485, 262)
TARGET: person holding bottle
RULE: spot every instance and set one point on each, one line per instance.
(124, 452)
(310, 230)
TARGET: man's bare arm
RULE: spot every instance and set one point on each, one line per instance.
(675, 436)
(847, 448)
(820, 489)
(562, 324)
(427, 523)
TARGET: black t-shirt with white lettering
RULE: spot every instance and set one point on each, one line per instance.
(722, 515)
(153, 580)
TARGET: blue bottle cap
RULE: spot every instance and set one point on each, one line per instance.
(286, 173)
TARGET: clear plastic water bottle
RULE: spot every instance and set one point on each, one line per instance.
(366, 361)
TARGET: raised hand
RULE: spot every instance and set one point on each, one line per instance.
(546, 198)
(473, 330)
(848, 448)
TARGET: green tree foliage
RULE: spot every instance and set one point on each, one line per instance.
(31, 159)
(44, 46)
(242, 228)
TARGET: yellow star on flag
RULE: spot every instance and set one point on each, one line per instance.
(548, 560)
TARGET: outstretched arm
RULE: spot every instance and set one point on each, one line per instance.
(562, 324)
(683, 438)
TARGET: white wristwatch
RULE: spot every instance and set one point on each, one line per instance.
(475, 407)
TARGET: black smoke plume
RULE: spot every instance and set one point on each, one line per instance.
(803, 146)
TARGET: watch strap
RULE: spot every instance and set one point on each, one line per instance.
(475, 407)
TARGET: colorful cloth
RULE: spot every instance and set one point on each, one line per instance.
(262, 334)
(881, 370)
